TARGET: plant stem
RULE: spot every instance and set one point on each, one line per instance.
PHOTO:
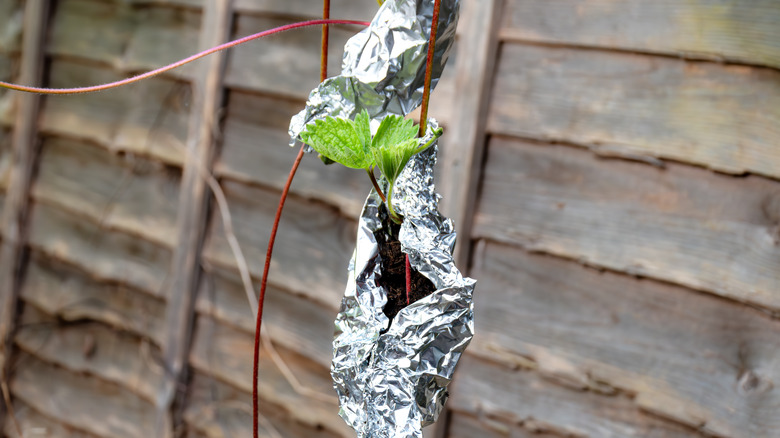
(429, 68)
(263, 285)
(408, 279)
(376, 184)
(393, 215)
(178, 63)
(272, 239)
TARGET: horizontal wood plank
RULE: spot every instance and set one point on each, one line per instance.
(744, 31)
(33, 424)
(700, 360)
(287, 64)
(11, 12)
(465, 425)
(217, 410)
(81, 402)
(680, 224)
(148, 118)
(255, 151)
(313, 248)
(92, 348)
(343, 9)
(127, 37)
(71, 295)
(106, 255)
(504, 395)
(295, 322)
(125, 193)
(722, 117)
(226, 354)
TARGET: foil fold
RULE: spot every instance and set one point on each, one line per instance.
(383, 68)
(392, 376)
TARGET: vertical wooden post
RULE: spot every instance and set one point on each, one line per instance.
(465, 134)
(24, 154)
(193, 207)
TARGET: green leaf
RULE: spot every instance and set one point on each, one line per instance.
(341, 140)
(392, 131)
(391, 159)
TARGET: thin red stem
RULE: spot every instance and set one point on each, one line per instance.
(264, 284)
(429, 68)
(408, 279)
(325, 40)
(177, 64)
(272, 239)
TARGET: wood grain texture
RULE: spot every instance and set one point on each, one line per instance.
(465, 425)
(682, 224)
(124, 193)
(508, 397)
(304, 9)
(72, 296)
(743, 31)
(294, 322)
(193, 208)
(723, 117)
(148, 118)
(217, 410)
(92, 348)
(81, 402)
(700, 360)
(226, 354)
(287, 64)
(255, 151)
(106, 255)
(129, 38)
(34, 425)
(462, 151)
(315, 242)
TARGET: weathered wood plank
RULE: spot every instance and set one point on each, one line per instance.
(744, 31)
(33, 424)
(226, 354)
(465, 425)
(11, 19)
(315, 242)
(723, 117)
(703, 361)
(343, 9)
(217, 410)
(124, 193)
(463, 146)
(287, 64)
(107, 255)
(297, 323)
(81, 401)
(683, 225)
(92, 348)
(148, 118)
(124, 36)
(255, 151)
(505, 395)
(72, 296)
(193, 207)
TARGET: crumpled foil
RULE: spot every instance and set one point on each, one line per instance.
(383, 69)
(392, 376)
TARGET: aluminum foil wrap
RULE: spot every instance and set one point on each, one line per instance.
(392, 377)
(383, 69)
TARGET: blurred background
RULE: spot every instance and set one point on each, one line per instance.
(612, 167)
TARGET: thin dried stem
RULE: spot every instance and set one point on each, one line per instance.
(8, 403)
(408, 279)
(177, 64)
(429, 68)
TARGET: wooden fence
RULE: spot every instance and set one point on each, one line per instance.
(613, 167)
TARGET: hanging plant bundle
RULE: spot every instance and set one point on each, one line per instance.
(402, 326)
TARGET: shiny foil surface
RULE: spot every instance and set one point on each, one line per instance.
(383, 69)
(392, 376)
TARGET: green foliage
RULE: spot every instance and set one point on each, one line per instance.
(351, 144)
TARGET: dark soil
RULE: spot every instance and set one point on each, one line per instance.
(393, 278)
